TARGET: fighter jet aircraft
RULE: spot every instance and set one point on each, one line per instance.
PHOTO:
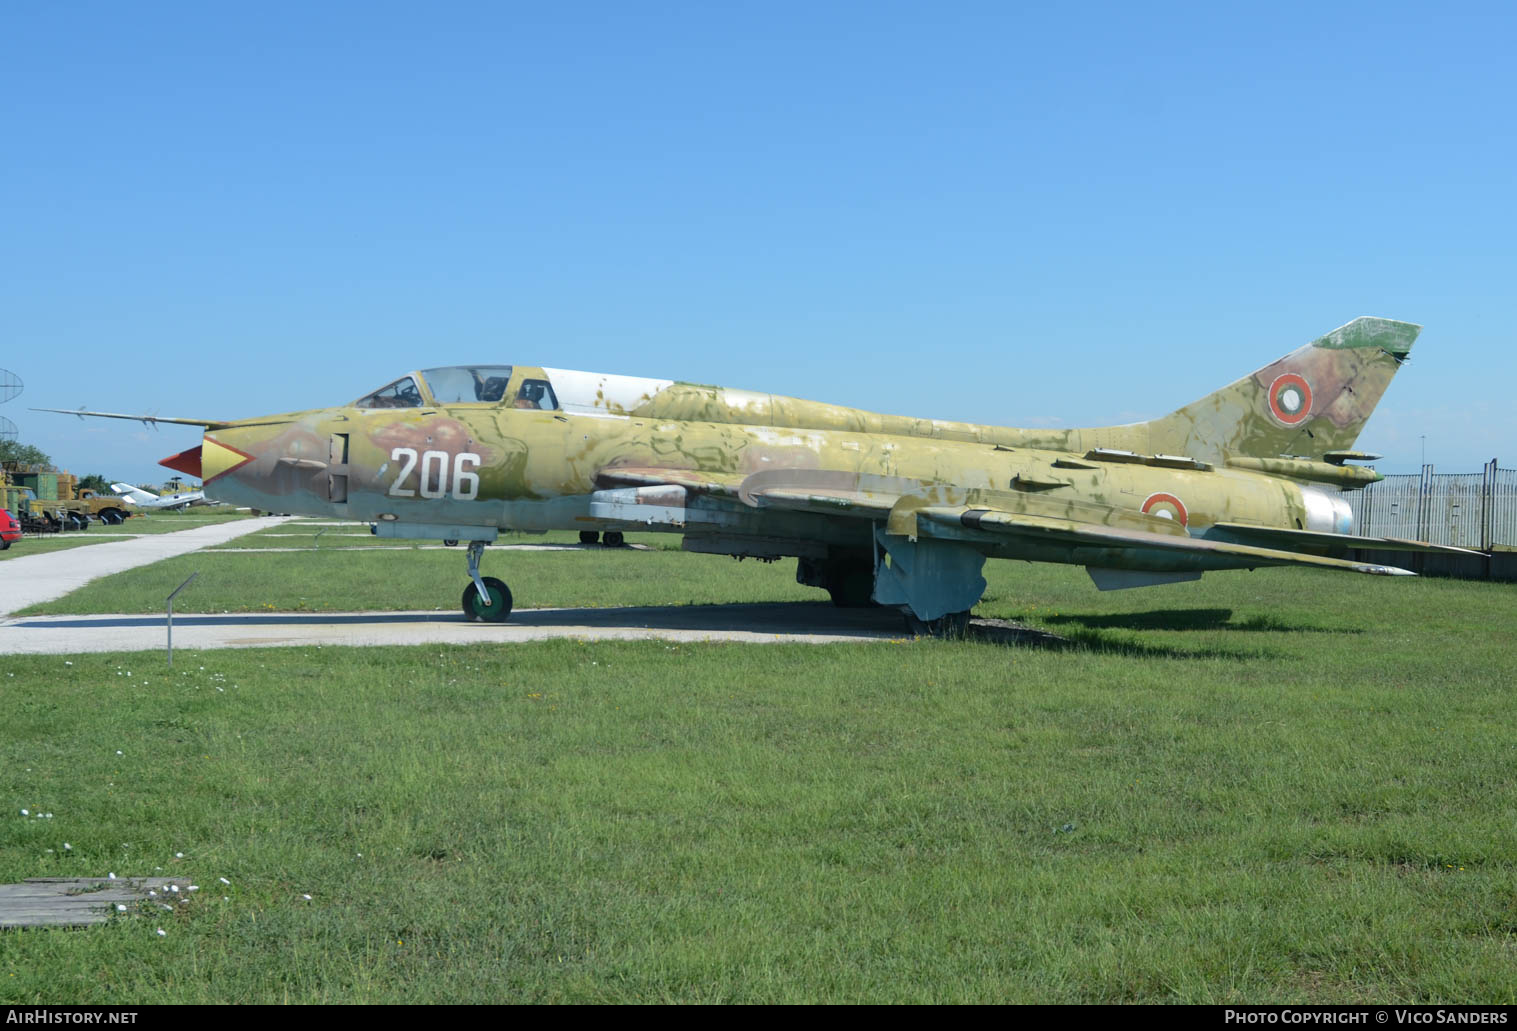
(147, 500)
(877, 509)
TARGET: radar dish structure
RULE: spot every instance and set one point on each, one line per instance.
(10, 385)
(8, 429)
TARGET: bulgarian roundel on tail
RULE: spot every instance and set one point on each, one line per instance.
(1313, 401)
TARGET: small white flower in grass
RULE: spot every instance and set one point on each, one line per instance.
(178, 855)
(120, 908)
(67, 663)
(223, 880)
(167, 906)
(111, 876)
(67, 847)
(306, 897)
(153, 893)
(47, 816)
(162, 933)
(174, 888)
(120, 752)
(194, 887)
(25, 813)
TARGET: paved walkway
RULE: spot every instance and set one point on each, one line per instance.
(779, 622)
(34, 579)
(769, 623)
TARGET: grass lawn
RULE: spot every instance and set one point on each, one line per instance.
(41, 545)
(1285, 786)
(410, 578)
(99, 533)
(318, 535)
(184, 519)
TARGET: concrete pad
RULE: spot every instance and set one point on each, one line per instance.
(771, 623)
(34, 579)
(809, 623)
(405, 546)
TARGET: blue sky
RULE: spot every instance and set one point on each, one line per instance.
(1074, 215)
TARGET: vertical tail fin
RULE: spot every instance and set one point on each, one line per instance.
(133, 494)
(1314, 400)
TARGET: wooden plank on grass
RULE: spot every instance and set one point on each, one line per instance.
(72, 901)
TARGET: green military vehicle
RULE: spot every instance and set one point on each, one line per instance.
(40, 515)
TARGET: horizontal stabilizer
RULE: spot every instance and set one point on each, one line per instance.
(1329, 543)
(1119, 538)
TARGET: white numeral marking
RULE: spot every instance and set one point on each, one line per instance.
(433, 481)
(408, 455)
(465, 483)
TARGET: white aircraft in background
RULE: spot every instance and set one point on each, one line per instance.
(146, 499)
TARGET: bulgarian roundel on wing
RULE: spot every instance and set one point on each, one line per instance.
(1166, 506)
(1290, 398)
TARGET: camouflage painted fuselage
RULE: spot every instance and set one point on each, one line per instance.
(745, 473)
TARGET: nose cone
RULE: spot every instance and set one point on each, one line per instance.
(187, 462)
(209, 460)
(218, 459)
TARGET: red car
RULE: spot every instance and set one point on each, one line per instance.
(10, 530)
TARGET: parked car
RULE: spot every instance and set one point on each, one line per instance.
(10, 530)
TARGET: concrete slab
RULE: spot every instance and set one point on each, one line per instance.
(811, 623)
(771, 623)
(33, 579)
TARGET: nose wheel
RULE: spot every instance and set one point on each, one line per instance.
(486, 599)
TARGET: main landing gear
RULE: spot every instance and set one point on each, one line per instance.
(486, 599)
(612, 539)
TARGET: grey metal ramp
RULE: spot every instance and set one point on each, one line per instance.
(34, 579)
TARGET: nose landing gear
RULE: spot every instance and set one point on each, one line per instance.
(486, 600)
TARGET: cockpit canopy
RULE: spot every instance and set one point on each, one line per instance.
(465, 384)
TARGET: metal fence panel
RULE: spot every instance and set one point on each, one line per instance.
(1503, 516)
(1466, 510)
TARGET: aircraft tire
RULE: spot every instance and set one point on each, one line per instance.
(499, 609)
(589, 536)
(450, 542)
(614, 539)
(954, 626)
